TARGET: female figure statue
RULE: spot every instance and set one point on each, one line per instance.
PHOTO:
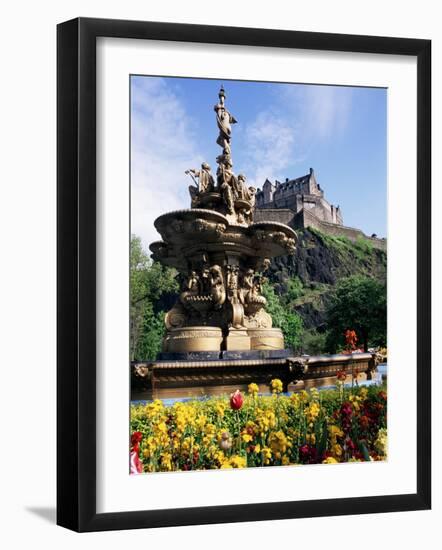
(218, 290)
(224, 120)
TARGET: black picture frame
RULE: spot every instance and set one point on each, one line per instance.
(76, 273)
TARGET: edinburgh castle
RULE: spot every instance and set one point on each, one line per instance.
(300, 203)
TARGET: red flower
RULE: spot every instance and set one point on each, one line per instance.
(308, 454)
(236, 400)
(135, 441)
(383, 395)
(346, 409)
(364, 422)
(340, 375)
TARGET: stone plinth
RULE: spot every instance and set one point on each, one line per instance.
(188, 339)
(269, 338)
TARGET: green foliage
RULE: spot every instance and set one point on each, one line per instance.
(149, 283)
(295, 289)
(358, 303)
(313, 342)
(151, 335)
(361, 249)
(288, 321)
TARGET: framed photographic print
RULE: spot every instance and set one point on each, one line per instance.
(243, 274)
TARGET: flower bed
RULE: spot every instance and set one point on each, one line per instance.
(342, 425)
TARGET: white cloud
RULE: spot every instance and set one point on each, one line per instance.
(282, 135)
(322, 111)
(162, 146)
(270, 142)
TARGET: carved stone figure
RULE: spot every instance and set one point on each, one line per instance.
(246, 194)
(205, 182)
(217, 288)
(226, 183)
(205, 280)
(191, 287)
(247, 285)
(224, 119)
(232, 283)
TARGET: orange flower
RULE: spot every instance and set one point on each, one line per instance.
(350, 339)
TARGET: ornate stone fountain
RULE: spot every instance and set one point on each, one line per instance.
(222, 257)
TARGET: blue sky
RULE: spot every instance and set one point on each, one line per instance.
(282, 131)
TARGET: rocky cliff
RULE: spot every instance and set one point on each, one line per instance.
(319, 262)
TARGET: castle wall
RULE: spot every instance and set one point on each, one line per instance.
(281, 215)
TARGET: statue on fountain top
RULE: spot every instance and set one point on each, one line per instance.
(224, 119)
(231, 196)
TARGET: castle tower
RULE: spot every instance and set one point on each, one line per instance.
(267, 189)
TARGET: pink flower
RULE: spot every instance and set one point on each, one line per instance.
(136, 466)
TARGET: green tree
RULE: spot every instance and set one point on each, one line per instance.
(313, 342)
(288, 321)
(149, 283)
(359, 303)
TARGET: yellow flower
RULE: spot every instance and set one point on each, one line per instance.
(276, 385)
(337, 450)
(266, 454)
(166, 462)
(354, 400)
(220, 409)
(330, 460)
(278, 442)
(295, 399)
(237, 461)
(246, 437)
(253, 389)
(314, 393)
(257, 448)
(335, 431)
(381, 442)
(303, 396)
(312, 411)
(363, 392)
(201, 421)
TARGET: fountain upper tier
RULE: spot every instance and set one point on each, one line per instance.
(195, 232)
